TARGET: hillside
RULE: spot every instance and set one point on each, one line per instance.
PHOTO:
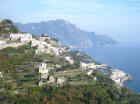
(68, 34)
(19, 84)
(40, 71)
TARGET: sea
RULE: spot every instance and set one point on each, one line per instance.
(125, 57)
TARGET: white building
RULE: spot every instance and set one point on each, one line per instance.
(102, 66)
(89, 72)
(48, 46)
(118, 75)
(95, 78)
(44, 38)
(88, 65)
(55, 50)
(43, 66)
(91, 66)
(2, 42)
(34, 42)
(40, 83)
(1, 75)
(44, 75)
(57, 66)
(60, 80)
(43, 70)
(67, 58)
(40, 49)
(83, 65)
(25, 39)
(22, 36)
(51, 79)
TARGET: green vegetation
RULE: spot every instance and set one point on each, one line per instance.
(20, 77)
(81, 56)
(19, 84)
(16, 64)
(103, 92)
(7, 26)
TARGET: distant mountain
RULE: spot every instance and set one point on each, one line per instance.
(67, 33)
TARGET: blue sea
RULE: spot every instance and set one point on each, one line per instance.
(125, 57)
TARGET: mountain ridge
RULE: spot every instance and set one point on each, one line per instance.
(68, 33)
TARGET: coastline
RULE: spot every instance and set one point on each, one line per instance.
(126, 79)
(120, 77)
(117, 57)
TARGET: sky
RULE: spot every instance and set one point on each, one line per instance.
(119, 19)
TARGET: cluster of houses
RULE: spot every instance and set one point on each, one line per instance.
(40, 43)
(43, 45)
(44, 75)
(22, 37)
(119, 76)
(91, 66)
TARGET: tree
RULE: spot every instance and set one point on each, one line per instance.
(8, 22)
(7, 26)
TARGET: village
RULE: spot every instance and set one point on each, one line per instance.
(45, 45)
(120, 77)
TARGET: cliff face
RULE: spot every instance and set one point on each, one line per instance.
(68, 34)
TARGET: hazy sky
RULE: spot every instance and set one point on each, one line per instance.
(119, 19)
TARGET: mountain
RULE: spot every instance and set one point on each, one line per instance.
(67, 33)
